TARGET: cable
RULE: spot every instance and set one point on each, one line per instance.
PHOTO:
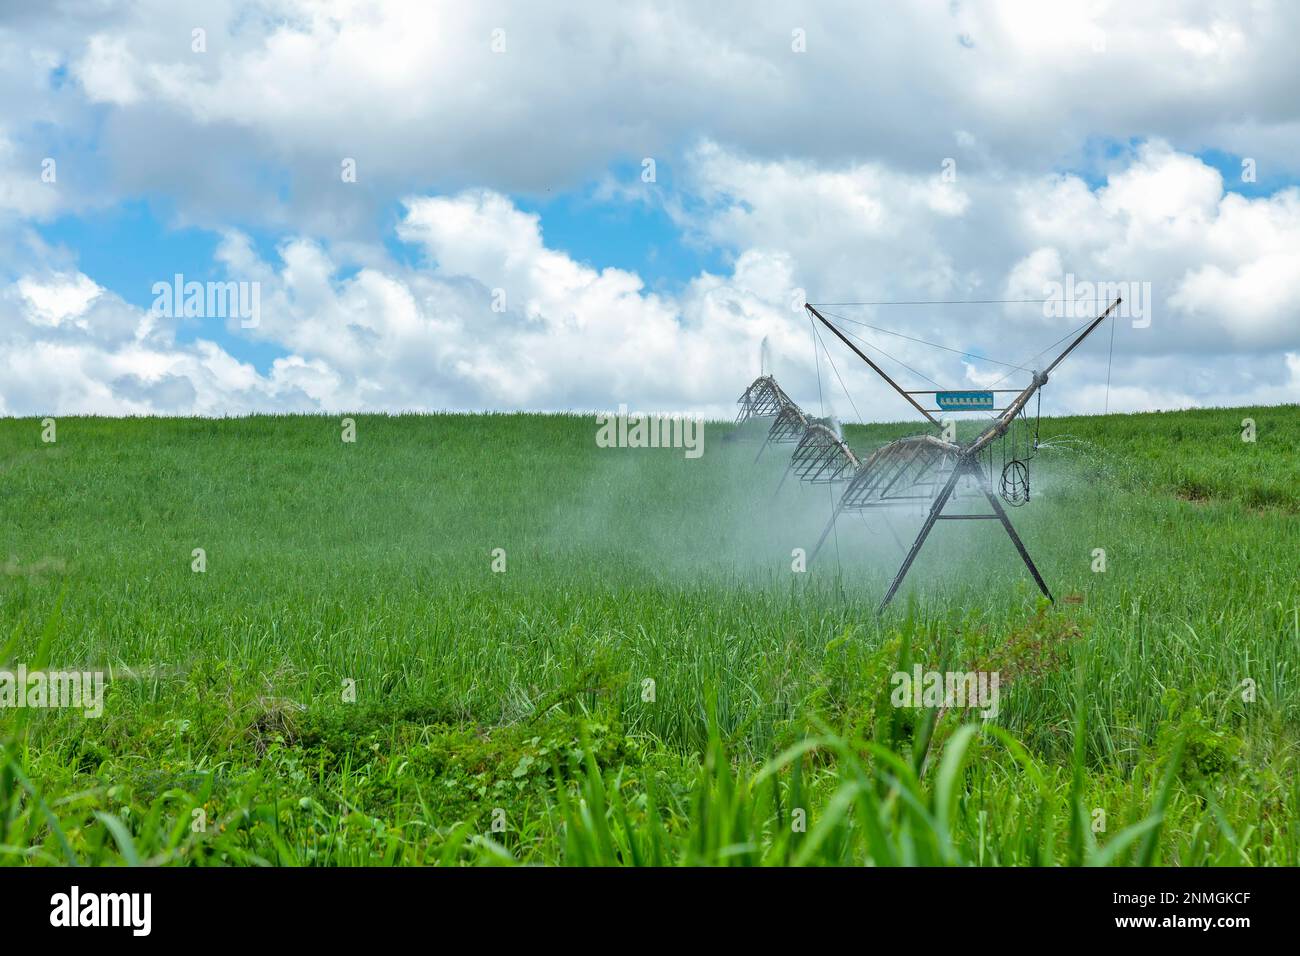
(1038, 421)
(1031, 359)
(1109, 358)
(891, 358)
(933, 345)
(938, 302)
(817, 364)
(837, 375)
(835, 532)
(1041, 301)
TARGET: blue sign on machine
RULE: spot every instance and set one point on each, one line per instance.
(963, 401)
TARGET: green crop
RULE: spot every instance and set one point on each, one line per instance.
(348, 681)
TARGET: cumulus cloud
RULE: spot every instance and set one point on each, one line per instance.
(491, 317)
(61, 297)
(846, 152)
(526, 98)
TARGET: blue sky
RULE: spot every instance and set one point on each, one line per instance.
(136, 243)
(1103, 143)
(1104, 154)
(129, 246)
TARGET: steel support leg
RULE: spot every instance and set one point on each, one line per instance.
(884, 513)
(788, 468)
(825, 533)
(937, 508)
(1015, 539)
(930, 519)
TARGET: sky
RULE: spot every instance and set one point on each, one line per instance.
(573, 206)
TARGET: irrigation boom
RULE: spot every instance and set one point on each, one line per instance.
(999, 427)
(910, 470)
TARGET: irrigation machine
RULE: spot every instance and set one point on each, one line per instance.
(925, 468)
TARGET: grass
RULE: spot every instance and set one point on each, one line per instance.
(350, 682)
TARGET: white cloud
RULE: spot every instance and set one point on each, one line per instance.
(818, 171)
(393, 337)
(109, 73)
(57, 298)
(413, 91)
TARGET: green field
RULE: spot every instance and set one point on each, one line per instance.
(647, 681)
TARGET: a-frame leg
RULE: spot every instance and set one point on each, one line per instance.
(884, 513)
(788, 468)
(825, 533)
(937, 508)
(930, 519)
(1015, 539)
(831, 524)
